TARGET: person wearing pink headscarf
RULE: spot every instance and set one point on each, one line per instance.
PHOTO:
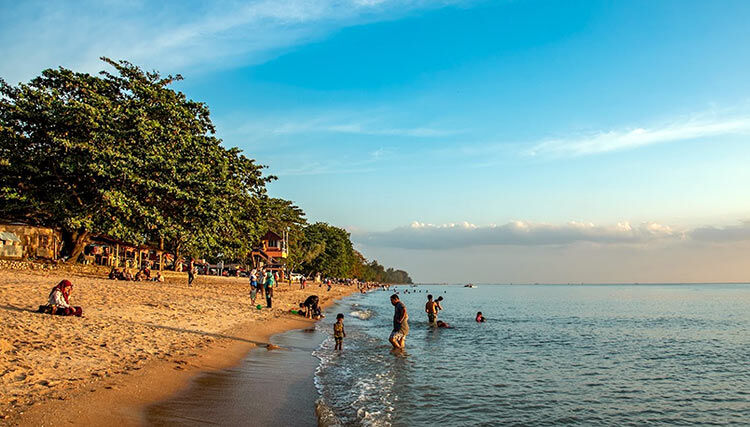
(59, 301)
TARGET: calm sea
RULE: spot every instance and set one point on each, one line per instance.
(548, 355)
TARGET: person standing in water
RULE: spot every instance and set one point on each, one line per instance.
(400, 324)
(431, 309)
(270, 282)
(338, 332)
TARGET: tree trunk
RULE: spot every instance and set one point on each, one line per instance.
(176, 257)
(81, 240)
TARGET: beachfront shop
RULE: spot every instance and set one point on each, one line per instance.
(29, 242)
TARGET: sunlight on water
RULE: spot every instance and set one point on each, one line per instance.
(548, 354)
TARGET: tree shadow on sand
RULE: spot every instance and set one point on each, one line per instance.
(210, 334)
(18, 309)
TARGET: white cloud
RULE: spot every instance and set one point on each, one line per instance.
(378, 122)
(464, 234)
(699, 126)
(173, 35)
(372, 127)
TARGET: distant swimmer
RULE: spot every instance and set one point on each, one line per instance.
(480, 318)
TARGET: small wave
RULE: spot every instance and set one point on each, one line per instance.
(326, 417)
(362, 314)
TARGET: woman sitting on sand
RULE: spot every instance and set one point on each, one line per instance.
(59, 301)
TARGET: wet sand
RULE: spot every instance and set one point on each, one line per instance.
(267, 388)
(138, 342)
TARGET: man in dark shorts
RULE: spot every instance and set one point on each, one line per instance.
(400, 324)
(431, 309)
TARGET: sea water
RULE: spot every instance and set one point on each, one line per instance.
(547, 355)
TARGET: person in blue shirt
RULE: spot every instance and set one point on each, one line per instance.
(253, 288)
(270, 282)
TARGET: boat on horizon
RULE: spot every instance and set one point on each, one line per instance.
(470, 285)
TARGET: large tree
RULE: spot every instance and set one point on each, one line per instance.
(122, 154)
(336, 254)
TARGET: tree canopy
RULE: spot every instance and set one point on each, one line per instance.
(122, 154)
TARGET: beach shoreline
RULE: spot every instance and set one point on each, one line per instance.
(141, 358)
(230, 396)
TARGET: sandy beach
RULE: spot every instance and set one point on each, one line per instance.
(138, 342)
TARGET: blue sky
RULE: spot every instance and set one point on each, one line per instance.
(590, 127)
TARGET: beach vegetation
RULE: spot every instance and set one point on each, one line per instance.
(122, 154)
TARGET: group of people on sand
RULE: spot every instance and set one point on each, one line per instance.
(263, 282)
(143, 275)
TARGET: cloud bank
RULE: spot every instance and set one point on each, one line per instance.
(736, 233)
(521, 233)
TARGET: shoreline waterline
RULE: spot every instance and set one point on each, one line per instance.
(268, 387)
(104, 389)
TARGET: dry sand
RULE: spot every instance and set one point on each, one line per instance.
(138, 342)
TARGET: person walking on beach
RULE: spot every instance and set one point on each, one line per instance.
(259, 279)
(338, 332)
(400, 324)
(431, 309)
(253, 288)
(270, 282)
(191, 271)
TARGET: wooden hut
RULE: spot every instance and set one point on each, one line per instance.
(29, 241)
(271, 252)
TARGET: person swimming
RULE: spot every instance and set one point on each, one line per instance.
(480, 318)
(441, 324)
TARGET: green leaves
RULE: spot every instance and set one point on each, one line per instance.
(123, 154)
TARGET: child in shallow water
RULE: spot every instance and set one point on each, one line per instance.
(338, 332)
